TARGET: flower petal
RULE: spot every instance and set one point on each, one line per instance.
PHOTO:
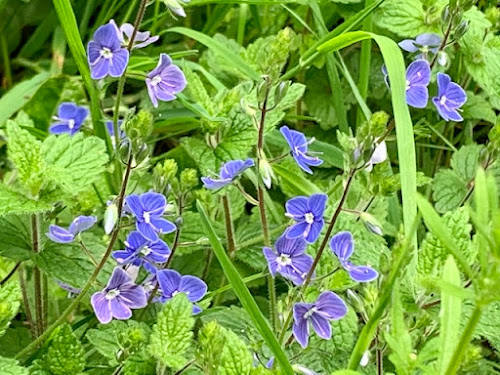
(418, 73)
(417, 96)
(119, 310)
(330, 306)
(154, 203)
(362, 274)
(297, 230)
(408, 45)
(271, 260)
(118, 63)
(301, 325)
(322, 326)
(147, 230)
(82, 223)
(317, 203)
(194, 287)
(163, 225)
(59, 234)
(314, 231)
(118, 278)
(100, 69)
(170, 281)
(101, 307)
(134, 296)
(297, 207)
(342, 245)
(290, 246)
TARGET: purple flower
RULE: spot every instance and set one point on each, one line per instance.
(72, 290)
(424, 43)
(61, 235)
(308, 213)
(327, 307)
(289, 259)
(172, 283)
(449, 99)
(111, 128)
(69, 119)
(299, 147)
(379, 155)
(118, 297)
(142, 38)
(342, 245)
(139, 249)
(148, 209)
(228, 172)
(164, 81)
(105, 53)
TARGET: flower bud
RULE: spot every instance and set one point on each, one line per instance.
(247, 108)
(263, 89)
(142, 154)
(280, 91)
(461, 29)
(110, 218)
(188, 179)
(179, 222)
(124, 151)
(442, 58)
(365, 359)
(446, 14)
(371, 223)
(140, 126)
(266, 172)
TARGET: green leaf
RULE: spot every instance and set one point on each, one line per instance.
(220, 49)
(13, 202)
(298, 183)
(243, 294)
(477, 107)
(173, 332)
(25, 152)
(10, 295)
(139, 364)
(450, 314)
(211, 340)
(448, 190)
(75, 162)
(9, 366)
(105, 339)
(236, 358)
(466, 161)
(65, 354)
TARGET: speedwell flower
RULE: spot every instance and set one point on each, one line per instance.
(148, 209)
(105, 54)
(289, 259)
(308, 213)
(424, 43)
(228, 172)
(379, 155)
(69, 119)
(141, 40)
(449, 99)
(172, 283)
(164, 81)
(118, 298)
(299, 148)
(61, 235)
(327, 307)
(342, 245)
(139, 249)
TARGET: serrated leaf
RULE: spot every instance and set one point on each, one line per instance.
(65, 354)
(172, 334)
(9, 366)
(466, 161)
(139, 364)
(75, 162)
(10, 296)
(14, 202)
(448, 190)
(15, 237)
(235, 357)
(211, 340)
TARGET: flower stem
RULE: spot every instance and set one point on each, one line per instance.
(231, 245)
(464, 340)
(114, 236)
(26, 303)
(443, 42)
(37, 280)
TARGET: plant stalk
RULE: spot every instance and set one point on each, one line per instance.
(37, 278)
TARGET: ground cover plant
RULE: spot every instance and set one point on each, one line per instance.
(249, 187)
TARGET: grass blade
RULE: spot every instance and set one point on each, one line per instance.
(243, 293)
(301, 184)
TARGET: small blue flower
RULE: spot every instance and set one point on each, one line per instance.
(327, 307)
(289, 259)
(418, 77)
(165, 81)
(228, 172)
(61, 235)
(172, 283)
(105, 54)
(424, 43)
(449, 99)
(299, 148)
(342, 245)
(69, 119)
(139, 250)
(148, 209)
(142, 38)
(308, 213)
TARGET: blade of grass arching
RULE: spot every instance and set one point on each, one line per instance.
(393, 59)
(302, 185)
(442, 233)
(299, 18)
(68, 23)
(361, 102)
(242, 22)
(243, 294)
(220, 49)
(364, 63)
(218, 85)
(333, 74)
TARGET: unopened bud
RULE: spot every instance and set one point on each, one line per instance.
(355, 300)
(442, 58)
(266, 172)
(365, 359)
(461, 29)
(188, 179)
(371, 223)
(142, 153)
(247, 108)
(263, 89)
(179, 222)
(446, 14)
(280, 91)
(110, 218)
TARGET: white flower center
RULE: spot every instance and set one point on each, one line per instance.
(147, 217)
(71, 124)
(310, 312)
(443, 100)
(156, 80)
(284, 260)
(106, 53)
(146, 251)
(309, 217)
(112, 294)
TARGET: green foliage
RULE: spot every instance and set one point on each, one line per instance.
(65, 354)
(10, 296)
(139, 364)
(172, 334)
(211, 340)
(235, 356)
(14, 202)
(9, 366)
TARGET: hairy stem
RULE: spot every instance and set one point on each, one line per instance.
(37, 278)
(114, 236)
(26, 302)
(231, 245)
(444, 41)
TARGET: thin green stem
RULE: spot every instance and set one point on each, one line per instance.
(444, 41)
(231, 245)
(364, 64)
(26, 302)
(37, 280)
(114, 236)
(10, 274)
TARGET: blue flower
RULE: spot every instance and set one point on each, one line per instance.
(148, 209)
(289, 259)
(61, 235)
(172, 283)
(342, 246)
(424, 43)
(69, 119)
(418, 77)
(327, 307)
(308, 213)
(164, 81)
(142, 38)
(105, 54)
(449, 99)
(139, 249)
(228, 172)
(299, 148)
(118, 298)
